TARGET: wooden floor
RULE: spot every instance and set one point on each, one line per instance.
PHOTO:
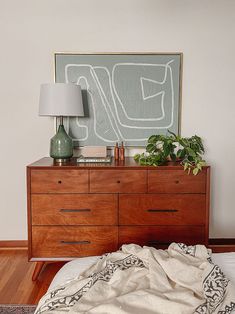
(16, 285)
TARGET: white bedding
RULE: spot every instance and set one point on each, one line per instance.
(226, 261)
(179, 280)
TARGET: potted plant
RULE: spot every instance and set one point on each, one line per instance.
(161, 149)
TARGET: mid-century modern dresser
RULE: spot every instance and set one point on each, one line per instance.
(89, 209)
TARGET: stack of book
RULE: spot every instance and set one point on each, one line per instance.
(82, 159)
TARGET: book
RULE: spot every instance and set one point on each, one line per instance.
(82, 159)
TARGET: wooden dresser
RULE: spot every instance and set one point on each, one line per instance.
(89, 209)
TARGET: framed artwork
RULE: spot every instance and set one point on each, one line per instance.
(126, 96)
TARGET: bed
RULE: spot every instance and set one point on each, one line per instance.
(135, 279)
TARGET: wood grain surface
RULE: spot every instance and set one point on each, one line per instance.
(121, 181)
(74, 209)
(161, 236)
(176, 181)
(162, 209)
(16, 285)
(59, 181)
(70, 241)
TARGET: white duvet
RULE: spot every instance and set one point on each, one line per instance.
(179, 280)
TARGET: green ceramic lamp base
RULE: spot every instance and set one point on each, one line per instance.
(61, 148)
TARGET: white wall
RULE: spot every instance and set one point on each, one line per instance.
(32, 30)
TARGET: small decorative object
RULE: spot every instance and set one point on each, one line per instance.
(162, 148)
(122, 152)
(61, 100)
(94, 151)
(116, 152)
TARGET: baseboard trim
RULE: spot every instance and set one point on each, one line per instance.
(220, 245)
(221, 248)
(22, 244)
(222, 241)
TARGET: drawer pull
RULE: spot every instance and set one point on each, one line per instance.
(152, 210)
(75, 242)
(59, 181)
(156, 242)
(65, 210)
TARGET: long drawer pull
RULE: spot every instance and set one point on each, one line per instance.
(156, 242)
(75, 242)
(152, 210)
(65, 210)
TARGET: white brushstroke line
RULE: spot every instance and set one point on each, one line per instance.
(122, 137)
(88, 65)
(142, 88)
(160, 93)
(92, 98)
(115, 107)
(139, 127)
(172, 97)
(160, 82)
(104, 99)
(95, 124)
(77, 120)
(94, 76)
(110, 87)
(152, 96)
(116, 110)
(128, 126)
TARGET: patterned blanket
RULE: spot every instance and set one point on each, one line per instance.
(179, 280)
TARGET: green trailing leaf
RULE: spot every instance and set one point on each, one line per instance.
(166, 149)
(173, 156)
(199, 166)
(178, 153)
(182, 154)
(152, 139)
(185, 166)
(175, 136)
(150, 148)
(191, 152)
(137, 157)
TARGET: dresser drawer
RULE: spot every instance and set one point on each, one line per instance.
(74, 209)
(161, 236)
(59, 181)
(54, 242)
(162, 209)
(118, 181)
(176, 181)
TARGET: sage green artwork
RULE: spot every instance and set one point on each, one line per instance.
(126, 97)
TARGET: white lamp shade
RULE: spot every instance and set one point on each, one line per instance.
(60, 99)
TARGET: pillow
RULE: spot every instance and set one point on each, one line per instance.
(72, 269)
(226, 261)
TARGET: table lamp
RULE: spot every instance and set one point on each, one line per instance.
(61, 100)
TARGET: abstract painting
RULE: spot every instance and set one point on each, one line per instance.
(126, 97)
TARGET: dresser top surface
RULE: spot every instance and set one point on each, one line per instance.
(129, 162)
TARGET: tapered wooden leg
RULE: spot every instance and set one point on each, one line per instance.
(37, 270)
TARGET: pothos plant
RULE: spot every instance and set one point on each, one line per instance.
(163, 148)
